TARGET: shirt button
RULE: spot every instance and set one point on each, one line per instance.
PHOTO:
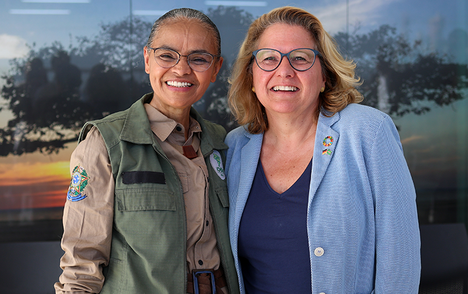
(178, 128)
(207, 223)
(319, 251)
(200, 262)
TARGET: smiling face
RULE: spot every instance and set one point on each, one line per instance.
(177, 88)
(285, 90)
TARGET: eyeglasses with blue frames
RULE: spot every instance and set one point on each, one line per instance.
(300, 59)
(198, 61)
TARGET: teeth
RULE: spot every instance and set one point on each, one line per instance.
(178, 84)
(284, 88)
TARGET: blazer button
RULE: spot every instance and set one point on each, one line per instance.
(319, 251)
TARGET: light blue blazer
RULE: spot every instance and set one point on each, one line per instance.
(362, 220)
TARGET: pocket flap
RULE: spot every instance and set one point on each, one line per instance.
(222, 196)
(145, 199)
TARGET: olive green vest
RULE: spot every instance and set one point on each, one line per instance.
(148, 253)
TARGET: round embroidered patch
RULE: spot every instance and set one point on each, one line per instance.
(328, 141)
(79, 181)
(217, 164)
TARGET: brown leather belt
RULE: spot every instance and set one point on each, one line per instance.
(206, 281)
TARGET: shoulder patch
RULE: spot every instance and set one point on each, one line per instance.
(78, 183)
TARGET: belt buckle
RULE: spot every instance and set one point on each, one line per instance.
(195, 281)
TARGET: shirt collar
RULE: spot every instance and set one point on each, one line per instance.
(163, 126)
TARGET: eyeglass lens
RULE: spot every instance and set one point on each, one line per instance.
(197, 61)
(300, 59)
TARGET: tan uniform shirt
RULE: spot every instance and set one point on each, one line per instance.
(88, 239)
(202, 252)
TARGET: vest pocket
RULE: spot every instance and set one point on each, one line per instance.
(141, 199)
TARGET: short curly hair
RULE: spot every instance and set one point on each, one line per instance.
(340, 86)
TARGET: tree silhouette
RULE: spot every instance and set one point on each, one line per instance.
(119, 44)
(49, 114)
(233, 24)
(106, 90)
(50, 98)
(399, 77)
(43, 111)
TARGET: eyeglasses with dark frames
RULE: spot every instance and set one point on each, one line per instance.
(300, 59)
(198, 61)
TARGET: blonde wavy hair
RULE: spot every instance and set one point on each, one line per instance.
(340, 86)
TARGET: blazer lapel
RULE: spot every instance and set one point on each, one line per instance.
(326, 140)
(249, 159)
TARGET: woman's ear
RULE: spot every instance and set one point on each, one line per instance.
(216, 68)
(146, 56)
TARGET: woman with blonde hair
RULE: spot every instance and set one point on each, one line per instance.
(321, 198)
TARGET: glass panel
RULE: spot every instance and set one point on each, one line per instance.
(62, 64)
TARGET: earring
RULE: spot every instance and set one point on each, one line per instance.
(253, 89)
(322, 89)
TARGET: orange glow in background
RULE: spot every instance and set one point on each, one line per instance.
(33, 185)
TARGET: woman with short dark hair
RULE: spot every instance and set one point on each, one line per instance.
(147, 207)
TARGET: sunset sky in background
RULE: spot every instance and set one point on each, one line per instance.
(34, 180)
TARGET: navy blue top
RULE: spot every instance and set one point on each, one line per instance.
(273, 246)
